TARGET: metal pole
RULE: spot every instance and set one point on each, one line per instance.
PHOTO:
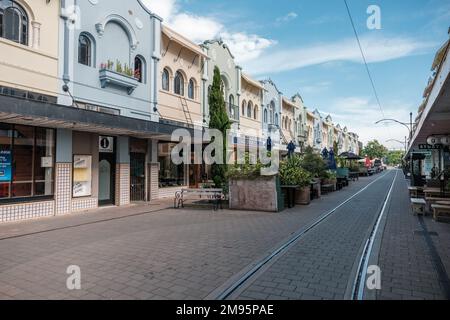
(411, 126)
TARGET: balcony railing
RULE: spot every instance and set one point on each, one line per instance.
(233, 112)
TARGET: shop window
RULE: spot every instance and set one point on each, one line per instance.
(170, 174)
(13, 22)
(26, 161)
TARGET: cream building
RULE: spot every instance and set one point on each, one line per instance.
(250, 111)
(180, 96)
(29, 50)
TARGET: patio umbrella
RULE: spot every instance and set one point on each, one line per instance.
(332, 161)
(350, 156)
(325, 154)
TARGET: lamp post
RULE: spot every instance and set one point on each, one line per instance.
(408, 126)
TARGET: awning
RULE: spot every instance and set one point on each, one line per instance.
(35, 113)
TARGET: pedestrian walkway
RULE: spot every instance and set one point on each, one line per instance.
(142, 253)
(407, 259)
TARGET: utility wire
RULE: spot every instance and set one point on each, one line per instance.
(364, 59)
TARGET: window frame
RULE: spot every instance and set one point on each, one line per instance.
(165, 72)
(89, 53)
(178, 88)
(23, 32)
(191, 89)
(33, 196)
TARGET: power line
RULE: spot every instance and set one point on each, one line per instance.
(364, 59)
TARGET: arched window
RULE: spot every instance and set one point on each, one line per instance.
(272, 112)
(139, 69)
(191, 89)
(244, 105)
(165, 80)
(255, 113)
(179, 84)
(249, 109)
(276, 119)
(265, 115)
(13, 22)
(231, 106)
(84, 50)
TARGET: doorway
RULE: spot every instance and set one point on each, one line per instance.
(137, 176)
(106, 179)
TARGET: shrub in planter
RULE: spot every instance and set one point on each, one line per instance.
(313, 163)
(292, 174)
(329, 177)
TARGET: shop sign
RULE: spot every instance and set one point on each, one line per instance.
(106, 144)
(5, 166)
(430, 147)
(47, 162)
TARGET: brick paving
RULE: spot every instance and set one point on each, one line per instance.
(408, 271)
(130, 254)
(320, 264)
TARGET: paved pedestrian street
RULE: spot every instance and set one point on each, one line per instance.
(156, 252)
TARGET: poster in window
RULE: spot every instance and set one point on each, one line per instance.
(5, 166)
(82, 176)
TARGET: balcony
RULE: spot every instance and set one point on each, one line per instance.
(112, 78)
(233, 112)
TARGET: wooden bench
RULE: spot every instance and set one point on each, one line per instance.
(433, 200)
(213, 196)
(326, 188)
(418, 206)
(439, 211)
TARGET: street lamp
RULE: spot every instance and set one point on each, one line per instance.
(408, 126)
(405, 143)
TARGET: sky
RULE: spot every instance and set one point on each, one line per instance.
(309, 47)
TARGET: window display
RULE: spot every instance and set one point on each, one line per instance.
(82, 176)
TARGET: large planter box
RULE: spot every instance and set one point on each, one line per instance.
(108, 78)
(303, 196)
(258, 194)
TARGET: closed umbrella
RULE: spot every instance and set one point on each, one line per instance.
(332, 161)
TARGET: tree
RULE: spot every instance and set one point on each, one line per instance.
(219, 120)
(394, 158)
(374, 149)
(313, 163)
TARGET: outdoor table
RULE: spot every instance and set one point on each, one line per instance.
(430, 192)
(290, 195)
(354, 176)
(443, 203)
(418, 205)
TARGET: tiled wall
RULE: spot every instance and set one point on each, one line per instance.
(122, 184)
(63, 191)
(84, 204)
(153, 182)
(23, 211)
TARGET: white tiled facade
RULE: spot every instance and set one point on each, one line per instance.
(63, 191)
(23, 211)
(122, 184)
(84, 204)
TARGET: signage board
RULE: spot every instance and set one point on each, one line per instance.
(5, 166)
(106, 144)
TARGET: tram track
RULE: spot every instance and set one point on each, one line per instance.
(258, 267)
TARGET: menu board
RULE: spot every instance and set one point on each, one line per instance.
(5, 166)
(82, 176)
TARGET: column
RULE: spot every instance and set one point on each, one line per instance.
(63, 172)
(153, 170)
(36, 34)
(123, 172)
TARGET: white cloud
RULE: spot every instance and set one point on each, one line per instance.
(359, 114)
(376, 49)
(289, 17)
(197, 28)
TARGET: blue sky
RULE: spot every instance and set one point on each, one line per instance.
(309, 47)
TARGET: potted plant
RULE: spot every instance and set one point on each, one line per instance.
(292, 174)
(329, 177)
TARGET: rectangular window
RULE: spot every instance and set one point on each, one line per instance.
(170, 174)
(27, 156)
